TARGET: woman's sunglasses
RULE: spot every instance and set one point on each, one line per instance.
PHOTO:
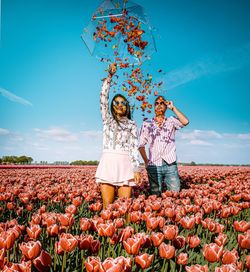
(117, 103)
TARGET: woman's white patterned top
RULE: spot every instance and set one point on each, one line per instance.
(122, 136)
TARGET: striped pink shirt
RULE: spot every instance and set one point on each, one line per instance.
(161, 140)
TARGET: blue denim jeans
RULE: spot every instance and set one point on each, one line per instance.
(165, 174)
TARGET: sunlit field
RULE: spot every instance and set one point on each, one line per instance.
(51, 219)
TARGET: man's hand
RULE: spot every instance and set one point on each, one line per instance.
(170, 105)
(137, 178)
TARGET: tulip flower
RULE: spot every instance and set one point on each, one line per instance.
(197, 268)
(166, 251)
(34, 231)
(93, 264)
(221, 239)
(193, 241)
(244, 240)
(144, 260)
(7, 239)
(53, 230)
(68, 242)
(182, 258)
(230, 257)
(212, 252)
(85, 224)
(157, 238)
(31, 249)
(170, 232)
(132, 245)
(241, 226)
(112, 265)
(179, 242)
(43, 261)
(106, 229)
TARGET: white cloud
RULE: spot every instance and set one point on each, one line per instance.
(12, 97)
(244, 136)
(4, 131)
(200, 134)
(200, 142)
(59, 144)
(57, 134)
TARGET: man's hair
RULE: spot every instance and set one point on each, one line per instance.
(160, 96)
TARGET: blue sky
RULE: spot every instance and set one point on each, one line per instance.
(49, 83)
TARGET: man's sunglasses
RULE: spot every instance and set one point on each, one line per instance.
(117, 103)
(159, 103)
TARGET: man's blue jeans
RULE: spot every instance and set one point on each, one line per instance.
(165, 174)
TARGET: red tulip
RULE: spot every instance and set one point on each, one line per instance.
(241, 226)
(135, 216)
(221, 239)
(170, 212)
(106, 214)
(244, 240)
(125, 262)
(119, 223)
(53, 230)
(212, 252)
(68, 242)
(230, 257)
(71, 209)
(93, 264)
(31, 249)
(157, 238)
(144, 260)
(36, 219)
(126, 233)
(43, 261)
(227, 268)
(95, 207)
(85, 224)
(248, 261)
(166, 251)
(66, 219)
(77, 201)
(94, 247)
(170, 232)
(34, 231)
(7, 239)
(152, 223)
(179, 242)
(112, 265)
(193, 241)
(132, 245)
(187, 222)
(182, 258)
(107, 229)
(197, 268)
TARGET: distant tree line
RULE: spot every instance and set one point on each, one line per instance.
(80, 162)
(16, 160)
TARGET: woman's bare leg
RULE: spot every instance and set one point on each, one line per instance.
(125, 191)
(108, 194)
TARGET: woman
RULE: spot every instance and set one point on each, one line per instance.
(119, 164)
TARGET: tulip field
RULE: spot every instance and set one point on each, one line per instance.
(52, 219)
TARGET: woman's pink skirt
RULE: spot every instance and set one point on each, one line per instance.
(115, 168)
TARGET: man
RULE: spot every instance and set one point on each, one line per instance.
(159, 134)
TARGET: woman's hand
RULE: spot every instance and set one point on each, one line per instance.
(137, 178)
(112, 69)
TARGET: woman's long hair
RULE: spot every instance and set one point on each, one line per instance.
(128, 111)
